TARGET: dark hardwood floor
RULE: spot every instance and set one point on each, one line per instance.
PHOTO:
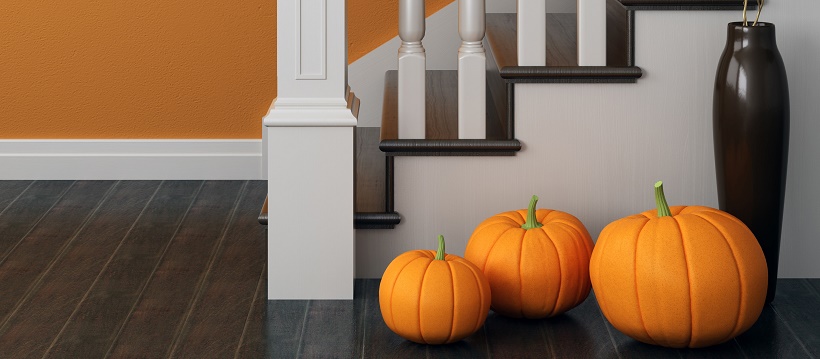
(151, 269)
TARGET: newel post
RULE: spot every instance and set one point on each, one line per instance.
(532, 32)
(310, 141)
(412, 68)
(472, 107)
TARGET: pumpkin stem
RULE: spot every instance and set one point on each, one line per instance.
(440, 252)
(660, 201)
(532, 222)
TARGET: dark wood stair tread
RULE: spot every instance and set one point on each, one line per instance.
(686, 4)
(441, 115)
(561, 62)
(373, 180)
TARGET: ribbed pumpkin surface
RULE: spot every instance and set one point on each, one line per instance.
(537, 272)
(433, 301)
(692, 279)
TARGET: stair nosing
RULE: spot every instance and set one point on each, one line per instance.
(597, 74)
(691, 5)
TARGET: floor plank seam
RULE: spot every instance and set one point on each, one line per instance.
(183, 324)
(15, 199)
(153, 271)
(794, 334)
(35, 224)
(811, 288)
(302, 331)
(102, 270)
(248, 318)
(32, 288)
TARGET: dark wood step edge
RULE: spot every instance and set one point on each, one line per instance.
(417, 147)
(685, 5)
(580, 74)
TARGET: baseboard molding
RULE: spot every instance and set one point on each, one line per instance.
(131, 159)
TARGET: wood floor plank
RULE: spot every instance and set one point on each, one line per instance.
(379, 340)
(330, 329)
(334, 328)
(252, 342)
(215, 325)
(769, 337)
(11, 191)
(94, 323)
(796, 304)
(579, 333)
(25, 264)
(157, 317)
(516, 338)
(26, 211)
(52, 301)
(284, 323)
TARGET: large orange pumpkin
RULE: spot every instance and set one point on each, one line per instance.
(432, 298)
(679, 277)
(537, 262)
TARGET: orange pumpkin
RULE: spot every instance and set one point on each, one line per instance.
(537, 262)
(679, 277)
(432, 298)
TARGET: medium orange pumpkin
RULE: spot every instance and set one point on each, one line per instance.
(679, 277)
(537, 262)
(432, 298)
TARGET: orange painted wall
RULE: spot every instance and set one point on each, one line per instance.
(152, 69)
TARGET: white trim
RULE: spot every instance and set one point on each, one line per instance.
(311, 41)
(215, 159)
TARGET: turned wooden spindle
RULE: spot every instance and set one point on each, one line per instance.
(472, 60)
(412, 68)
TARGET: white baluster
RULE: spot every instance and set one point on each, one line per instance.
(591, 32)
(532, 33)
(412, 67)
(472, 107)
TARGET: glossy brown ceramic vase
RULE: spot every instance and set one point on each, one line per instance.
(751, 133)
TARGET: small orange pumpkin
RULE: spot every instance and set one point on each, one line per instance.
(679, 277)
(431, 298)
(537, 262)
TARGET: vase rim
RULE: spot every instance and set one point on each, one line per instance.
(749, 26)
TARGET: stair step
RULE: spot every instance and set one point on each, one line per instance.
(441, 114)
(374, 185)
(686, 4)
(562, 62)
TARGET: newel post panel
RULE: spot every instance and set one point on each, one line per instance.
(472, 106)
(591, 32)
(412, 68)
(310, 142)
(532, 32)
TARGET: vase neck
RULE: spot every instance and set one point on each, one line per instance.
(761, 35)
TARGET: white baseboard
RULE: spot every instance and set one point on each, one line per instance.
(216, 159)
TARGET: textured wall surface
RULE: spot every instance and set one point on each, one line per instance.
(148, 69)
(596, 150)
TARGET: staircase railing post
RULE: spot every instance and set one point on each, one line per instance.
(591, 32)
(412, 69)
(532, 32)
(472, 106)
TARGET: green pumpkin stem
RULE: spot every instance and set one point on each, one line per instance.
(440, 253)
(660, 201)
(532, 222)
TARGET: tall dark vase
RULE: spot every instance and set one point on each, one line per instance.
(751, 133)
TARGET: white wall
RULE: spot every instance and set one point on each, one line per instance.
(595, 150)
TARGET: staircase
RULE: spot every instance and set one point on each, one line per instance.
(459, 161)
(376, 147)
